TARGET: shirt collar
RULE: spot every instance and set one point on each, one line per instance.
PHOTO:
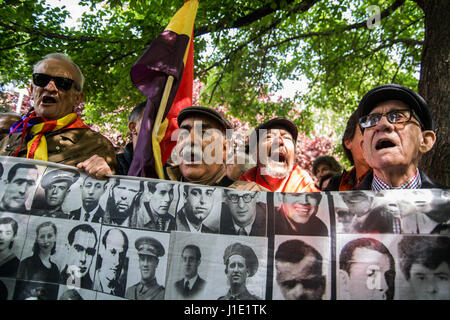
(414, 183)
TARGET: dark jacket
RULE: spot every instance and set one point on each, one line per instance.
(259, 225)
(314, 226)
(196, 288)
(124, 160)
(98, 215)
(182, 223)
(427, 183)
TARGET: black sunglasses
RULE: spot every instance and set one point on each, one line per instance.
(42, 79)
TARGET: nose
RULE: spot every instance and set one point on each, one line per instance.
(298, 291)
(241, 203)
(431, 287)
(22, 189)
(90, 190)
(83, 257)
(384, 125)
(50, 86)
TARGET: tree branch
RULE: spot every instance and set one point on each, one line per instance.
(300, 7)
(354, 26)
(19, 44)
(248, 19)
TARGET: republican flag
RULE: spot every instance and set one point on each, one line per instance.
(165, 75)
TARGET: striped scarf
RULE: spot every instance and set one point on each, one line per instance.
(37, 127)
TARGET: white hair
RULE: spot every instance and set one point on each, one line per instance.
(63, 57)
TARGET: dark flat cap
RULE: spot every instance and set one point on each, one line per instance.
(279, 122)
(397, 92)
(193, 111)
(244, 251)
(67, 175)
(149, 246)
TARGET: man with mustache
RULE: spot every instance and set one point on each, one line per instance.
(18, 183)
(81, 248)
(276, 169)
(240, 262)
(122, 203)
(199, 202)
(397, 128)
(149, 251)
(200, 152)
(91, 191)
(112, 263)
(297, 215)
(56, 185)
(155, 212)
(53, 131)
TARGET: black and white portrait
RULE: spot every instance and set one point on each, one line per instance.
(158, 208)
(54, 188)
(211, 267)
(112, 262)
(201, 209)
(33, 290)
(147, 267)
(301, 268)
(19, 183)
(366, 267)
(243, 213)
(78, 255)
(123, 201)
(74, 293)
(93, 194)
(13, 229)
(359, 211)
(301, 214)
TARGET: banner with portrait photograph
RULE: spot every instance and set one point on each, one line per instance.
(67, 236)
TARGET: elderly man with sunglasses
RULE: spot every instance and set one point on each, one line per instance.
(397, 128)
(52, 131)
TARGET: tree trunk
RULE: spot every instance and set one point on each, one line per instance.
(434, 85)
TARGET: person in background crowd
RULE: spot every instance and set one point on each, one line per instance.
(351, 143)
(276, 169)
(397, 128)
(57, 133)
(125, 158)
(324, 165)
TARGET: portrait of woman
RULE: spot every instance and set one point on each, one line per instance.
(39, 266)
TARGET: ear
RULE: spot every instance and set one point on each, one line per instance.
(132, 127)
(78, 98)
(348, 144)
(427, 142)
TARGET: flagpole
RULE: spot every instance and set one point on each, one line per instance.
(157, 125)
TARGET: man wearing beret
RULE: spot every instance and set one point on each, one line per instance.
(149, 251)
(240, 262)
(200, 151)
(397, 128)
(56, 186)
(276, 169)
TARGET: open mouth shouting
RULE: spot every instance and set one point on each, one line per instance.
(384, 143)
(46, 100)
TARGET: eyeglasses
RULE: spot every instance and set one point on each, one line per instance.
(62, 83)
(235, 198)
(394, 117)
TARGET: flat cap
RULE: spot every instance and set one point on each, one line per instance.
(397, 92)
(149, 246)
(67, 175)
(289, 125)
(244, 251)
(193, 111)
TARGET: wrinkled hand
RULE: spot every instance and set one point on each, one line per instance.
(96, 167)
